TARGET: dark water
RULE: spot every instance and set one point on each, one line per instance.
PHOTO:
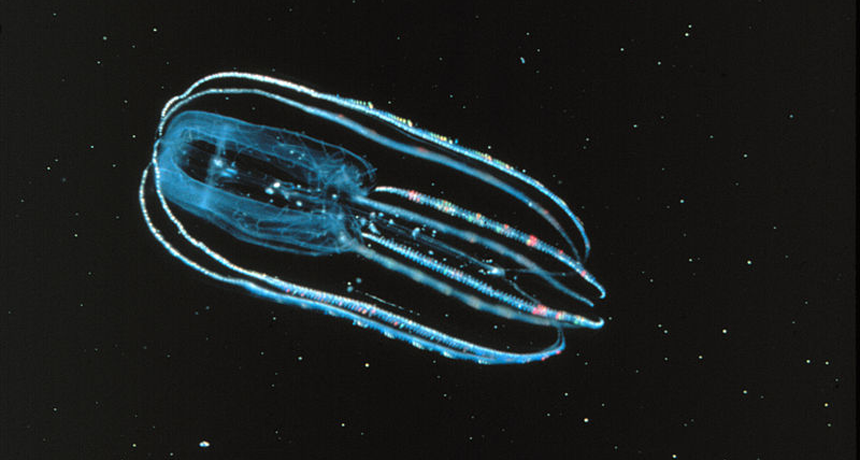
(709, 151)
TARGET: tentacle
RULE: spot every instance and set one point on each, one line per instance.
(530, 309)
(486, 268)
(473, 238)
(500, 228)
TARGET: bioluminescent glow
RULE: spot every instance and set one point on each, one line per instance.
(283, 190)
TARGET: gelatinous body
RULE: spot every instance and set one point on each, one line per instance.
(286, 191)
(224, 170)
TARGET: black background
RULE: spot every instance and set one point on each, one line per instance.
(709, 150)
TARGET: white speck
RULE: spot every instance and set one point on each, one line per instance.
(204, 444)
